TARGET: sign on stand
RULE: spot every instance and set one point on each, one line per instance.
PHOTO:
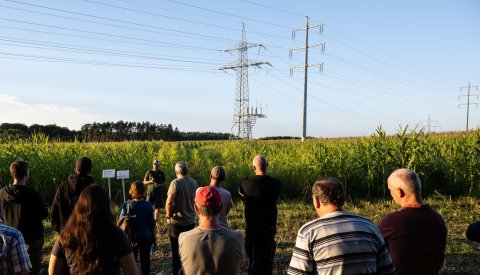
(108, 174)
(123, 174)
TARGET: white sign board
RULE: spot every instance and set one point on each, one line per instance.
(123, 174)
(108, 173)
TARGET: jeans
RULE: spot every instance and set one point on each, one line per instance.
(144, 245)
(173, 232)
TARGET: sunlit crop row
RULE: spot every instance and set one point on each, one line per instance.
(448, 164)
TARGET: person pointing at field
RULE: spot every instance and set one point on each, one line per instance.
(260, 193)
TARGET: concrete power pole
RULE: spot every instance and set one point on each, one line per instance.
(305, 66)
(244, 116)
(468, 95)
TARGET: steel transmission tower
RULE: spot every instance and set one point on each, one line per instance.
(431, 124)
(244, 116)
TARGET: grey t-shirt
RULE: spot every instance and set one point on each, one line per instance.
(227, 204)
(183, 190)
(217, 251)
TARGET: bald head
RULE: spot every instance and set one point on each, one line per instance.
(407, 180)
(260, 163)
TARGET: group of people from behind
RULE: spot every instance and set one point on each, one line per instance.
(411, 240)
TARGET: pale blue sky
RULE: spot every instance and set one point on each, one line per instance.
(386, 63)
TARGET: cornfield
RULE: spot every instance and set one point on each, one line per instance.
(447, 164)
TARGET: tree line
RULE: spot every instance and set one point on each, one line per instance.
(108, 131)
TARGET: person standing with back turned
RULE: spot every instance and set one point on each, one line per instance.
(338, 242)
(217, 177)
(180, 209)
(68, 193)
(210, 248)
(24, 209)
(260, 193)
(416, 235)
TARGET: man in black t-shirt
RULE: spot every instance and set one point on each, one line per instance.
(154, 180)
(260, 193)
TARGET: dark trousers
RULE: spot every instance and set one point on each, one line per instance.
(143, 246)
(173, 232)
(260, 248)
(34, 250)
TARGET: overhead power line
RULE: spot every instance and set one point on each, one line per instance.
(219, 39)
(229, 14)
(174, 31)
(97, 62)
(384, 75)
(380, 60)
(109, 35)
(272, 8)
(91, 50)
(388, 54)
(357, 41)
(180, 19)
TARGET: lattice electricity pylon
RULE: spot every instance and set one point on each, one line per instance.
(244, 116)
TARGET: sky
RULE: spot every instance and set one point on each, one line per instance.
(386, 63)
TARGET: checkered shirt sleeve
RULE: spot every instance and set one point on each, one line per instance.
(15, 256)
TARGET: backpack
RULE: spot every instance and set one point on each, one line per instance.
(125, 225)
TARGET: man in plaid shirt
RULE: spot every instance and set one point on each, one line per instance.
(13, 251)
(14, 257)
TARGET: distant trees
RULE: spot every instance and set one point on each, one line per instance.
(108, 131)
(124, 130)
(18, 130)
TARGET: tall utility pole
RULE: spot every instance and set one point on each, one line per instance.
(430, 124)
(244, 116)
(468, 95)
(305, 66)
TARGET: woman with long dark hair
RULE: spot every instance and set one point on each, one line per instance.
(91, 242)
(143, 223)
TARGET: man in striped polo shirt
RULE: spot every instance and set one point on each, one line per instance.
(338, 242)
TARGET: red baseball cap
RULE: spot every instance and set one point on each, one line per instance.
(208, 196)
